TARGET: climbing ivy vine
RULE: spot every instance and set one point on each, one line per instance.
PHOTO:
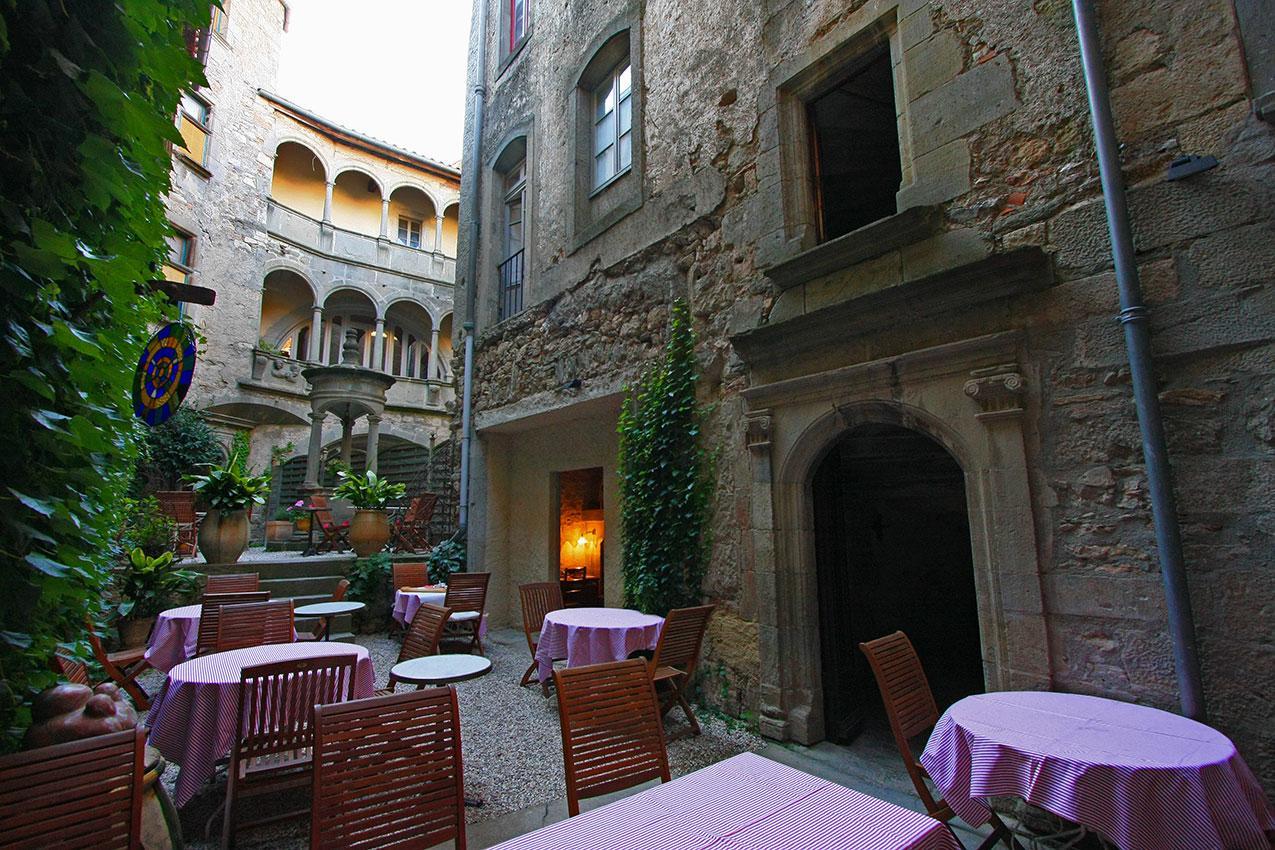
(665, 480)
(88, 89)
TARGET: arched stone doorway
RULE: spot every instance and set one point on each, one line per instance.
(892, 552)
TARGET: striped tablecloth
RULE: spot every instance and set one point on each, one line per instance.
(408, 602)
(744, 803)
(193, 720)
(593, 636)
(174, 637)
(1143, 778)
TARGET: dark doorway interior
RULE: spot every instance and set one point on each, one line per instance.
(892, 552)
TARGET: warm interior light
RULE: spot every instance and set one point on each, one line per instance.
(582, 541)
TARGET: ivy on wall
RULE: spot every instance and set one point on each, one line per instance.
(665, 480)
(89, 89)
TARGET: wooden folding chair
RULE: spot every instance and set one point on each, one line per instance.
(910, 706)
(83, 794)
(410, 575)
(388, 772)
(336, 536)
(276, 729)
(411, 532)
(321, 627)
(233, 583)
(210, 615)
(677, 656)
(538, 599)
(179, 505)
(121, 667)
(422, 637)
(612, 737)
(247, 624)
(466, 598)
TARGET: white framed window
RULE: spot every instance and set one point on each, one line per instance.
(409, 231)
(613, 125)
(194, 118)
(517, 22)
(515, 201)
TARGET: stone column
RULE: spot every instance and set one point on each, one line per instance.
(433, 370)
(402, 354)
(373, 437)
(347, 440)
(316, 335)
(385, 218)
(312, 455)
(327, 201)
(773, 722)
(378, 345)
(438, 232)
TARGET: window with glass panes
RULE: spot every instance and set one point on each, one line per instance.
(613, 125)
(181, 250)
(517, 21)
(220, 22)
(192, 123)
(515, 195)
(409, 231)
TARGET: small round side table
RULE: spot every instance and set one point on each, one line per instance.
(440, 669)
(327, 610)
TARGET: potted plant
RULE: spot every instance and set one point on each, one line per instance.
(144, 525)
(279, 527)
(368, 493)
(444, 559)
(228, 491)
(147, 586)
(300, 516)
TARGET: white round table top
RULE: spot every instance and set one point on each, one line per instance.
(441, 669)
(602, 618)
(328, 609)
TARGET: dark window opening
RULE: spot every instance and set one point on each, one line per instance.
(854, 135)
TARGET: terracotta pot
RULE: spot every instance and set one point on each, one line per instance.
(369, 532)
(278, 530)
(302, 524)
(223, 536)
(135, 630)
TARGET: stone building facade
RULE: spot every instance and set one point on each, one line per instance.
(886, 218)
(305, 230)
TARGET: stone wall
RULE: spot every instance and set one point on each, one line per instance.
(1001, 229)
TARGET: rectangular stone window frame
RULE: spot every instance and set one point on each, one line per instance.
(180, 262)
(613, 126)
(220, 23)
(194, 123)
(510, 179)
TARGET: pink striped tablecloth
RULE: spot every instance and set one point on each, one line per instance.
(1143, 778)
(744, 803)
(193, 720)
(174, 638)
(593, 636)
(408, 602)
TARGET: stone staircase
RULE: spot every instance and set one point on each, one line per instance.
(303, 580)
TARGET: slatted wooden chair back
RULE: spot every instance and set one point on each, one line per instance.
(323, 512)
(681, 638)
(388, 772)
(83, 794)
(538, 599)
(178, 504)
(121, 667)
(410, 575)
(254, 624)
(424, 632)
(233, 583)
(210, 615)
(612, 737)
(276, 704)
(338, 594)
(71, 669)
(467, 591)
(909, 703)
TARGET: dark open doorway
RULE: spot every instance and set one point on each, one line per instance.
(892, 548)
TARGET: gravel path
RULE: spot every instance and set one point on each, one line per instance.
(511, 744)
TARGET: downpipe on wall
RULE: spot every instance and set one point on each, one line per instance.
(1134, 318)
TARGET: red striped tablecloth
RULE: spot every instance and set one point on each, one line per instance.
(744, 803)
(1145, 779)
(593, 636)
(174, 638)
(193, 720)
(408, 602)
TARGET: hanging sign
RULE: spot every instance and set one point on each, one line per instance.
(163, 373)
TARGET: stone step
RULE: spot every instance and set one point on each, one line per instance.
(301, 586)
(293, 567)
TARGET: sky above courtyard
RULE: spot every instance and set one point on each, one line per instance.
(393, 69)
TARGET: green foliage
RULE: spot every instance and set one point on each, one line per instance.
(240, 448)
(368, 491)
(150, 585)
(231, 487)
(282, 515)
(176, 449)
(89, 90)
(144, 526)
(444, 559)
(367, 576)
(665, 480)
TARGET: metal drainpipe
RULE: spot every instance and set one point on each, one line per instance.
(473, 166)
(1133, 316)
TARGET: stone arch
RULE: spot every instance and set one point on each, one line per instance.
(357, 197)
(286, 315)
(410, 201)
(293, 138)
(288, 264)
(359, 168)
(348, 307)
(419, 186)
(298, 177)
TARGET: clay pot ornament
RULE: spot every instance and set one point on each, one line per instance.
(71, 712)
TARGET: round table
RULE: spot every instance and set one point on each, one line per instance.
(440, 669)
(593, 636)
(174, 638)
(408, 602)
(326, 611)
(194, 719)
(1139, 776)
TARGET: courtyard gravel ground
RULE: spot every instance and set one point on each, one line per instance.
(511, 746)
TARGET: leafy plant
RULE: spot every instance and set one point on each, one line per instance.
(149, 585)
(368, 491)
(230, 487)
(240, 447)
(89, 92)
(665, 480)
(179, 447)
(282, 515)
(444, 559)
(367, 576)
(297, 510)
(146, 527)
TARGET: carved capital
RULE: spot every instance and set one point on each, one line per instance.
(758, 433)
(998, 390)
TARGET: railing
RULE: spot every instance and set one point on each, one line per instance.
(510, 274)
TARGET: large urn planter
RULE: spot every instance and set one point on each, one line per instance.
(223, 536)
(369, 532)
(134, 631)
